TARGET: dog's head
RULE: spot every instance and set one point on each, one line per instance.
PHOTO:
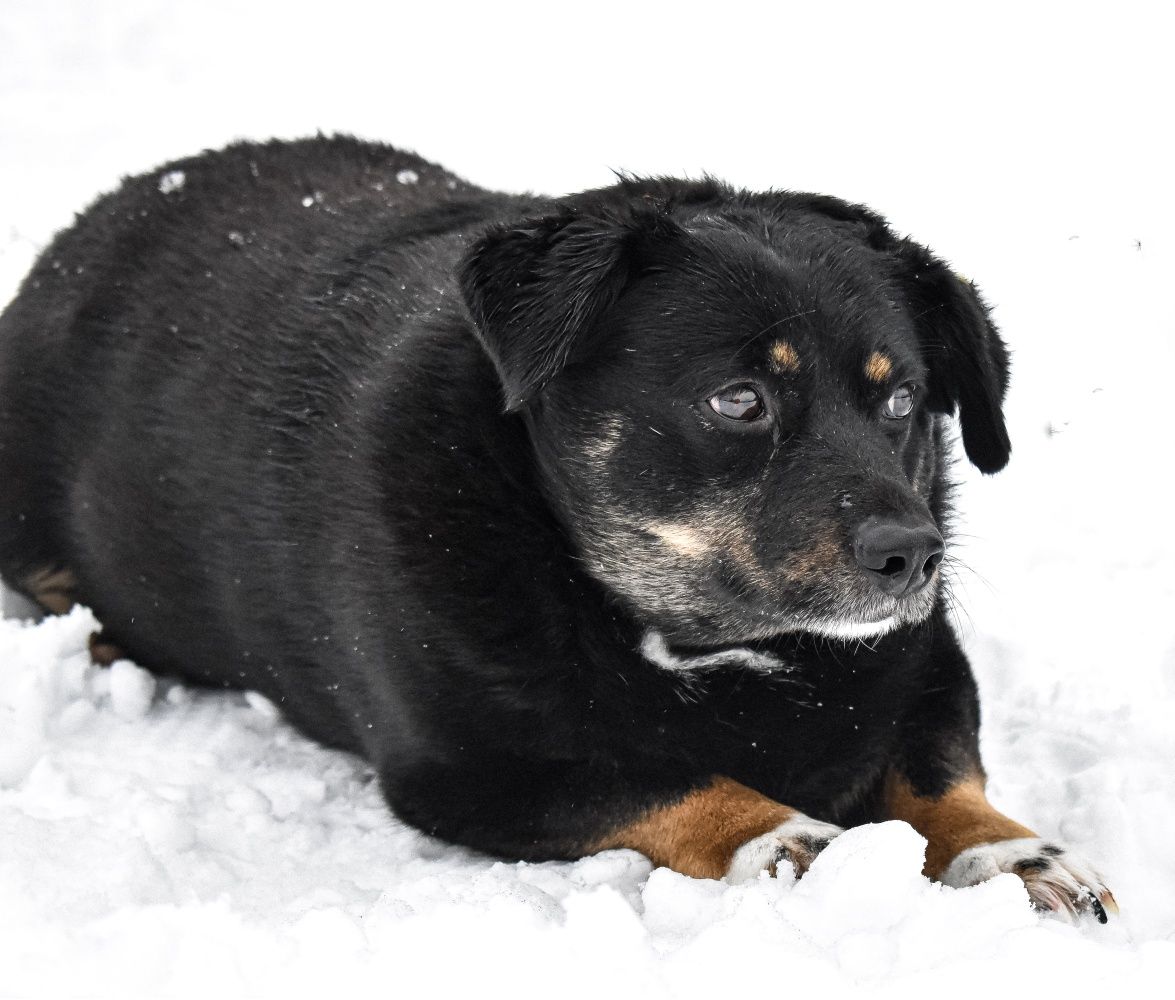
(735, 401)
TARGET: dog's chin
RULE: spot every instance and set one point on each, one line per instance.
(860, 618)
(691, 653)
(847, 610)
(723, 642)
(848, 629)
(692, 649)
(874, 618)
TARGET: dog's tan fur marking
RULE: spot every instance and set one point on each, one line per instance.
(698, 834)
(878, 368)
(53, 589)
(817, 561)
(681, 538)
(784, 359)
(708, 533)
(737, 539)
(960, 818)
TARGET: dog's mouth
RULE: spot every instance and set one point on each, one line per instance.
(844, 607)
(862, 613)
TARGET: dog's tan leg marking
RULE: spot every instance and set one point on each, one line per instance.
(960, 818)
(52, 588)
(784, 359)
(723, 829)
(969, 841)
(878, 368)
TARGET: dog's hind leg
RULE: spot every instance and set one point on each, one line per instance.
(102, 651)
(54, 588)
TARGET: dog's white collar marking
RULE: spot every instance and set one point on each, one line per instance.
(656, 650)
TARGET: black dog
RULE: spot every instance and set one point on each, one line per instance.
(558, 512)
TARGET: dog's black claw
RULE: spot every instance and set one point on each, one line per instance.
(1099, 911)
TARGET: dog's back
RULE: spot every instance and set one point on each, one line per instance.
(140, 325)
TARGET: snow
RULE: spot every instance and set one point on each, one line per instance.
(156, 840)
(171, 181)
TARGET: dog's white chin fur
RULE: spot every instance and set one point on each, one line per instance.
(853, 630)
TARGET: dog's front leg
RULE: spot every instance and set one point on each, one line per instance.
(703, 826)
(970, 841)
(724, 830)
(937, 786)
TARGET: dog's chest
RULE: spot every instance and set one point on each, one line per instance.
(813, 734)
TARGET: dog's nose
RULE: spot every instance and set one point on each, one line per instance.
(897, 556)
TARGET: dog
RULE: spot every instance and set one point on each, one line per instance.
(610, 521)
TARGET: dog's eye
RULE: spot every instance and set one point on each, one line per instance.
(900, 403)
(740, 402)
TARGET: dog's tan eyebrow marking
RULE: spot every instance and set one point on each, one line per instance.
(784, 359)
(878, 368)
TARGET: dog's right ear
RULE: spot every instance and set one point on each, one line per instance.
(536, 288)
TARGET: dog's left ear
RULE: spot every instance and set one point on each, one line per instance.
(966, 359)
(535, 290)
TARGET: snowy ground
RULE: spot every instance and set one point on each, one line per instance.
(154, 840)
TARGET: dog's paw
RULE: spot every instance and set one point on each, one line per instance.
(796, 841)
(1057, 880)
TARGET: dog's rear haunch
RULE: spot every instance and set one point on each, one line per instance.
(610, 521)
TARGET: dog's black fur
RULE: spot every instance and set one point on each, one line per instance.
(434, 469)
